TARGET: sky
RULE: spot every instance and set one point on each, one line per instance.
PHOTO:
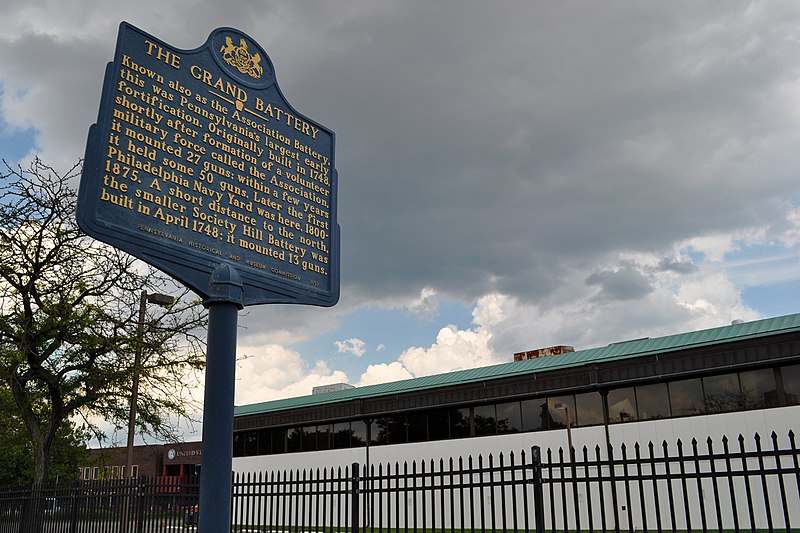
(512, 174)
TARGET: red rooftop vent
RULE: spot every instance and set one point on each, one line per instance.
(543, 352)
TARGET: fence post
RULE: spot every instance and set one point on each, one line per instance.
(354, 494)
(538, 492)
(140, 504)
(73, 526)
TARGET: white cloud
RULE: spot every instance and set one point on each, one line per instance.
(426, 304)
(384, 373)
(715, 247)
(454, 349)
(791, 236)
(272, 372)
(354, 346)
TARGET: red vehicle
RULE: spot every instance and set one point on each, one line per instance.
(191, 515)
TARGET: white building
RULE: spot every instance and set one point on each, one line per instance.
(738, 379)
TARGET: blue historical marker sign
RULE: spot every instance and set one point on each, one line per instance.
(197, 160)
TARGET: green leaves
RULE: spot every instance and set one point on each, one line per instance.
(69, 325)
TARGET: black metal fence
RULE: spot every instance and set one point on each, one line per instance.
(731, 486)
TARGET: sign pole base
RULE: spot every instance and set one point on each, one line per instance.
(217, 450)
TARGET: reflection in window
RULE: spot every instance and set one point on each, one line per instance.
(238, 444)
(790, 375)
(459, 423)
(759, 389)
(588, 409)
(324, 437)
(686, 397)
(278, 437)
(341, 435)
(389, 430)
(438, 425)
(417, 427)
(534, 414)
(558, 409)
(509, 417)
(250, 443)
(294, 443)
(264, 442)
(485, 420)
(398, 429)
(309, 438)
(358, 435)
(622, 405)
(722, 393)
(652, 401)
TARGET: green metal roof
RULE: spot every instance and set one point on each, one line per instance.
(615, 351)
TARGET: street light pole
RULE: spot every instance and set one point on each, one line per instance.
(565, 407)
(164, 301)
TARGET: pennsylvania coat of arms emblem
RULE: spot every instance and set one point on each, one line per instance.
(240, 58)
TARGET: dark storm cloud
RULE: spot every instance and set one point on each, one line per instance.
(627, 283)
(494, 146)
(679, 267)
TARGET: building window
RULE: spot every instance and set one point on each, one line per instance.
(324, 437)
(295, 440)
(588, 409)
(622, 405)
(686, 397)
(135, 471)
(790, 375)
(417, 427)
(759, 389)
(309, 438)
(509, 417)
(264, 442)
(278, 437)
(341, 435)
(534, 414)
(238, 444)
(558, 409)
(251, 443)
(438, 425)
(459, 423)
(485, 419)
(722, 393)
(358, 437)
(115, 472)
(652, 401)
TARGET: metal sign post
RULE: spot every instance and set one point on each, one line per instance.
(215, 476)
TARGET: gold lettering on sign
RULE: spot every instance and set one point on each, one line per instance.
(200, 161)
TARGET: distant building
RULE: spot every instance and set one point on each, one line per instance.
(331, 388)
(152, 460)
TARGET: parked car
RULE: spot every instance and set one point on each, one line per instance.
(191, 515)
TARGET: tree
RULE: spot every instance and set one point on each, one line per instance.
(69, 317)
(16, 453)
